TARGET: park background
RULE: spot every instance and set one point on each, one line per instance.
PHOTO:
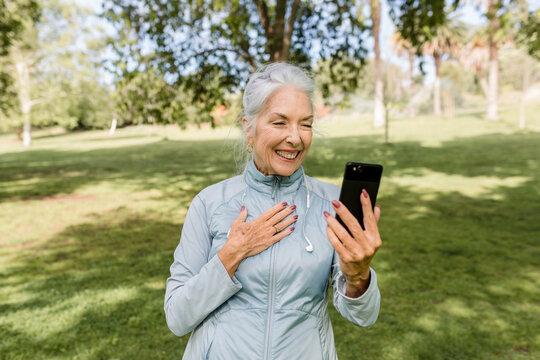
(115, 114)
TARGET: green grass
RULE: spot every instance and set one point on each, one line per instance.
(89, 222)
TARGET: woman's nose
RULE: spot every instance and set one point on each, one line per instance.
(294, 136)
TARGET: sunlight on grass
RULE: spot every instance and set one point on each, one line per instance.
(428, 183)
(65, 314)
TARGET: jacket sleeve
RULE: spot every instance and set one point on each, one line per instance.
(197, 286)
(363, 310)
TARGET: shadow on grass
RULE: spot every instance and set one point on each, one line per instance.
(42, 173)
(93, 291)
(459, 281)
(458, 274)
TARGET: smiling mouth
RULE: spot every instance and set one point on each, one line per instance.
(287, 155)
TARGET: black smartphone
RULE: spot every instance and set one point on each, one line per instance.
(359, 176)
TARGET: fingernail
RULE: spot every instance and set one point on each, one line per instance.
(292, 229)
(295, 217)
(243, 208)
(293, 207)
(364, 192)
(326, 214)
(336, 203)
(284, 203)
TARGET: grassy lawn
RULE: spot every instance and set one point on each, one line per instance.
(89, 222)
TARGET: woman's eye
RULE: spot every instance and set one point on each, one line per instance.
(279, 123)
(308, 125)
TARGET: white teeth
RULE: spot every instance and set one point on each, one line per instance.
(287, 155)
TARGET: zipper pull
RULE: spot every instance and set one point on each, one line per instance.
(276, 186)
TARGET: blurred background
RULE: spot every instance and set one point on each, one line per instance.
(114, 114)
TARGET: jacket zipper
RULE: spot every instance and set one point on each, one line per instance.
(271, 288)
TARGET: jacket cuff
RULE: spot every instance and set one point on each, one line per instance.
(365, 297)
(223, 275)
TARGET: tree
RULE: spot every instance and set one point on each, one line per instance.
(520, 70)
(492, 7)
(22, 58)
(378, 106)
(403, 47)
(415, 20)
(498, 14)
(15, 17)
(53, 78)
(475, 56)
(530, 34)
(209, 46)
(446, 40)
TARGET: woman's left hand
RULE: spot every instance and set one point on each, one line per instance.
(356, 251)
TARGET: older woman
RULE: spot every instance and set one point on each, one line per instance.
(251, 272)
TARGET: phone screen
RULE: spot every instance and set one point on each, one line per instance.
(359, 176)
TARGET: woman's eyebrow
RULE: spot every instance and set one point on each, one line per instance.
(283, 116)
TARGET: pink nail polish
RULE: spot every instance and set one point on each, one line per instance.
(292, 229)
(293, 207)
(243, 208)
(295, 217)
(284, 204)
(326, 214)
(336, 203)
(364, 192)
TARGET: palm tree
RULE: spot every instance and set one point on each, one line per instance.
(446, 40)
(475, 56)
(491, 9)
(403, 47)
(378, 110)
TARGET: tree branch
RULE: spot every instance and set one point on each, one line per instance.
(289, 30)
(276, 51)
(262, 9)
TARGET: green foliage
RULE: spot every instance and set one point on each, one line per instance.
(13, 16)
(336, 77)
(60, 53)
(206, 49)
(418, 20)
(530, 34)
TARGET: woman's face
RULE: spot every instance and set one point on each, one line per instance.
(282, 134)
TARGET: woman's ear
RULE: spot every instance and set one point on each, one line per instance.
(245, 128)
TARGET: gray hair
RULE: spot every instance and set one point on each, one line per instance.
(261, 85)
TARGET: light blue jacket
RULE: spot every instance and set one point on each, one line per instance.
(275, 307)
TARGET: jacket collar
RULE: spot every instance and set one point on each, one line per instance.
(270, 183)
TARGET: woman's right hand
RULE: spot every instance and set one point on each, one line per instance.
(250, 238)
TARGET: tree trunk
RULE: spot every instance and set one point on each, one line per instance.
(278, 35)
(493, 87)
(23, 93)
(484, 85)
(410, 111)
(378, 110)
(522, 110)
(27, 135)
(525, 87)
(411, 71)
(493, 84)
(437, 86)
